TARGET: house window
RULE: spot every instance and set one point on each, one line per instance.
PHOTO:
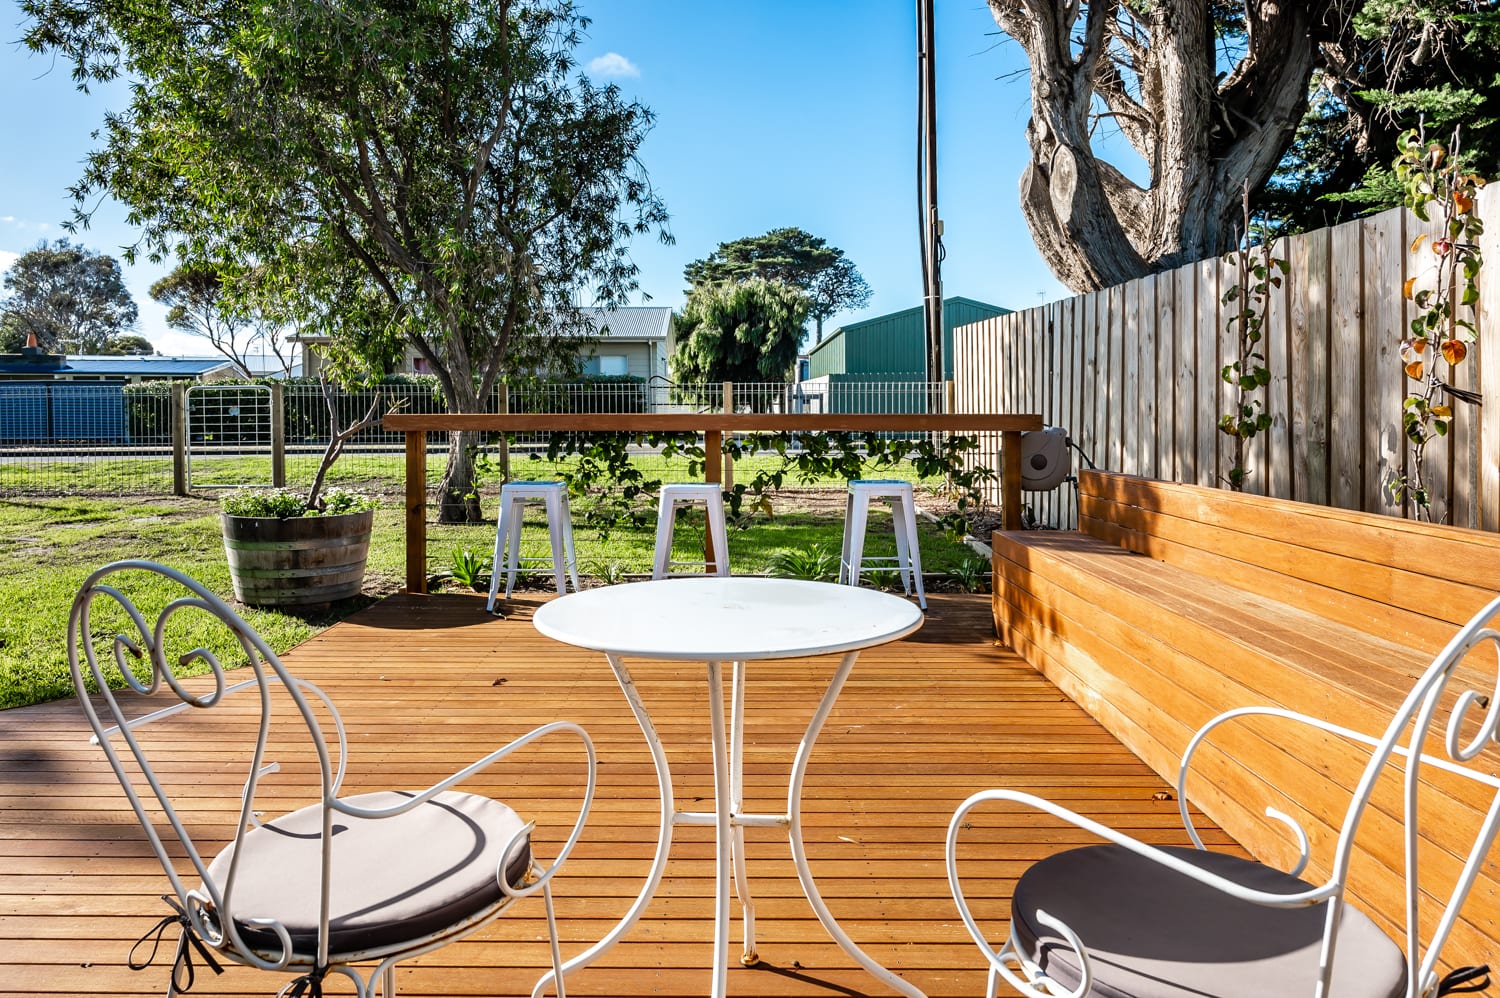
(610, 363)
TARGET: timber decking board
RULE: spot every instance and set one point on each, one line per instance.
(428, 683)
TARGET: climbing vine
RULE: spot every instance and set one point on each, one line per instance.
(1438, 190)
(1258, 271)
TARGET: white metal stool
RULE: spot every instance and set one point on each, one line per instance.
(513, 499)
(673, 496)
(908, 557)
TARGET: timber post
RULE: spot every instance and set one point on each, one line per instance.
(177, 416)
(416, 511)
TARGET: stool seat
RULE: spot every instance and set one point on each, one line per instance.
(683, 494)
(908, 559)
(513, 499)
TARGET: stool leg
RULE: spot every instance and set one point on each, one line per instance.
(898, 528)
(713, 515)
(916, 552)
(665, 515)
(844, 552)
(513, 559)
(554, 534)
(856, 534)
(567, 528)
(495, 570)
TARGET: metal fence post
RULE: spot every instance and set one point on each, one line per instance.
(179, 422)
(278, 435)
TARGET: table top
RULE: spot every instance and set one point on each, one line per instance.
(727, 619)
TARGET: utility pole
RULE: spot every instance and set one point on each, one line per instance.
(927, 187)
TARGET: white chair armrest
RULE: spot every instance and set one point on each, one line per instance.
(1000, 959)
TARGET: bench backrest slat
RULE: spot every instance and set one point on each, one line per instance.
(1411, 582)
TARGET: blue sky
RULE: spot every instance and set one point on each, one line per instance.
(769, 114)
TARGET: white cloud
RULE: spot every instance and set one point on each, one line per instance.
(6, 259)
(612, 64)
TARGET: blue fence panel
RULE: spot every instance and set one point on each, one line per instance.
(62, 411)
(23, 412)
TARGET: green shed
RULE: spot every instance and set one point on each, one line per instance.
(892, 345)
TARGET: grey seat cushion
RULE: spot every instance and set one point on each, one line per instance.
(1152, 933)
(394, 879)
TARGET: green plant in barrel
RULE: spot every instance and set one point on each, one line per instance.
(1257, 272)
(1445, 295)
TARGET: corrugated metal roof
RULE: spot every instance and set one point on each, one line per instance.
(633, 322)
(125, 367)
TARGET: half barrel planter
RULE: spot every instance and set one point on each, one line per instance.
(306, 561)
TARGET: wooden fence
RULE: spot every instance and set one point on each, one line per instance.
(1132, 372)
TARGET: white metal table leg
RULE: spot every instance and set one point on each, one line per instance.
(799, 851)
(722, 831)
(663, 840)
(737, 848)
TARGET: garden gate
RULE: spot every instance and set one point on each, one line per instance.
(229, 436)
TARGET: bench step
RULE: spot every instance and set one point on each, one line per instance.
(1153, 650)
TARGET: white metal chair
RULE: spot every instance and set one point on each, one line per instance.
(1130, 919)
(513, 499)
(686, 494)
(908, 559)
(370, 878)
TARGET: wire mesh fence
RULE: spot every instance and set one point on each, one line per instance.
(111, 439)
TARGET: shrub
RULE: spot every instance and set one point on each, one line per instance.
(285, 505)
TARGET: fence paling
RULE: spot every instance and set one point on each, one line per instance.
(1133, 373)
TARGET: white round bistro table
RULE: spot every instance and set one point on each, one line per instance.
(739, 620)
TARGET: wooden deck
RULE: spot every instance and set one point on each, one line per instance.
(427, 683)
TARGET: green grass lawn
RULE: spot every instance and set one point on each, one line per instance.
(49, 545)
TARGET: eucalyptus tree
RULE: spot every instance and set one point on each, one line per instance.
(1152, 69)
(200, 302)
(73, 299)
(435, 174)
(1214, 94)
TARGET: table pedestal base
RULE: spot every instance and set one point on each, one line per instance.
(730, 823)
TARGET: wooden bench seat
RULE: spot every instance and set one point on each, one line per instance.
(1174, 603)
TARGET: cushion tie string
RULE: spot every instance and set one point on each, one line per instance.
(181, 981)
(309, 985)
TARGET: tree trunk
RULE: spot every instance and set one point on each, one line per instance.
(458, 497)
(1153, 70)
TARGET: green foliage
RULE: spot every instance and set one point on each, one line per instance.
(284, 504)
(1258, 271)
(971, 573)
(470, 568)
(881, 578)
(72, 298)
(428, 174)
(791, 256)
(1396, 61)
(608, 489)
(815, 562)
(1439, 190)
(609, 572)
(614, 393)
(747, 331)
